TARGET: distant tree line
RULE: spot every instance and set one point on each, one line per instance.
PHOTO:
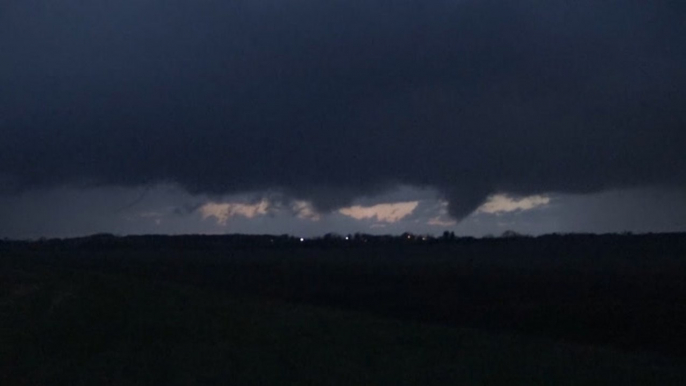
(200, 242)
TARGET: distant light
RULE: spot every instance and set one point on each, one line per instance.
(301, 239)
(346, 237)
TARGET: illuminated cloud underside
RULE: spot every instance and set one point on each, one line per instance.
(388, 213)
(501, 203)
(222, 212)
(304, 210)
(442, 219)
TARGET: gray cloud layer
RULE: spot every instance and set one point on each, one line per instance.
(329, 101)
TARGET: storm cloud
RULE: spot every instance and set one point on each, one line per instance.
(329, 101)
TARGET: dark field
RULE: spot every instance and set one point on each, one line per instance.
(240, 310)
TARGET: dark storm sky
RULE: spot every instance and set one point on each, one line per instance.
(329, 102)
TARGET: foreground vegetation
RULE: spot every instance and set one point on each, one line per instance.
(75, 328)
(522, 311)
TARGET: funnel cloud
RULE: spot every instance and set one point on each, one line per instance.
(330, 102)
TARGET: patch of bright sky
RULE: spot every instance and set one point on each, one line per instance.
(441, 221)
